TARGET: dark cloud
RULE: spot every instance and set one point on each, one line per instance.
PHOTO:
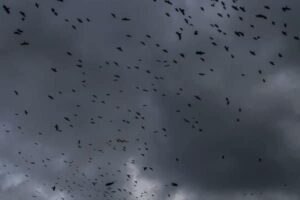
(137, 119)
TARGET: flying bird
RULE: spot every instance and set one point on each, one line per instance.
(6, 9)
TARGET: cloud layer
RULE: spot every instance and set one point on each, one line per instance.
(134, 106)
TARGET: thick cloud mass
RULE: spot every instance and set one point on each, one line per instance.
(95, 99)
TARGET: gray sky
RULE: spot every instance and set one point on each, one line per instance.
(221, 125)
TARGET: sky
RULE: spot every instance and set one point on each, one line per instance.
(149, 100)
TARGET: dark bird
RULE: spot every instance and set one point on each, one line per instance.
(285, 8)
(120, 49)
(121, 140)
(168, 2)
(7, 9)
(23, 14)
(179, 35)
(174, 184)
(197, 97)
(242, 8)
(110, 183)
(239, 33)
(113, 15)
(18, 32)
(53, 69)
(125, 19)
(24, 43)
(57, 128)
(226, 48)
(252, 53)
(261, 16)
(200, 53)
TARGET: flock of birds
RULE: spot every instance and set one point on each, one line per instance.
(131, 131)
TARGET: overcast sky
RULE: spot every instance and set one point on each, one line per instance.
(149, 99)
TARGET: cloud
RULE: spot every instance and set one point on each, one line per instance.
(142, 186)
(250, 153)
(12, 181)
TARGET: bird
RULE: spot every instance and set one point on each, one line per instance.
(6, 9)
(113, 15)
(174, 184)
(200, 52)
(252, 53)
(53, 69)
(24, 43)
(120, 49)
(285, 8)
(179, 35)
(126, 19)
(109, 183)
(261, 16)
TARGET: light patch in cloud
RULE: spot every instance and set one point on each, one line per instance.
(45, 193)
(143, 185)
(180, 195)
(290, 131)
(12, 180)
(279, 83)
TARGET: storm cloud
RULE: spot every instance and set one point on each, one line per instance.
(107, 102)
